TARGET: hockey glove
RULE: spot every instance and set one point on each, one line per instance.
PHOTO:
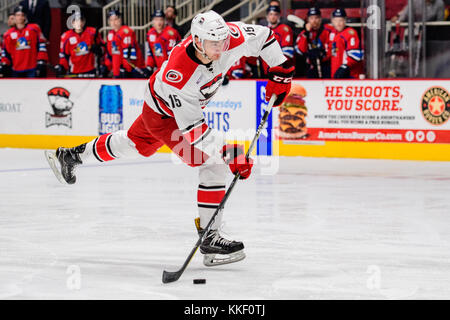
(148, 72)
(41, 69)
(103, 71)
(342, 73)
(97, 50)
(315, 53)
(234, 156)
(3, 70)
(226, 80)
(59, 70)
(279, 83)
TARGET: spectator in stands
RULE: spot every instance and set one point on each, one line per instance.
(312, 43)
(435, 10)
(79, 48)
(171, 14)
(123, 54)
(38, 11)
(161, 39)
(24, 48)
(346, 53)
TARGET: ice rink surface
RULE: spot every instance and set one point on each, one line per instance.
(318, 229)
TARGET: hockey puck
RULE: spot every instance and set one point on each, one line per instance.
(199, 281)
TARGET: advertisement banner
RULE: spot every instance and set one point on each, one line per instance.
(368, 111)
(92, 107)
(232, 109)
(69, 107)
(264, 144)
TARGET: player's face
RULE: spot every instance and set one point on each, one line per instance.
(11, 21)
(115, 22)
(214, 49)
(19, 18)
(78, 24)
(273, 17)
(158, 23)
(338, 23)
(315, 21)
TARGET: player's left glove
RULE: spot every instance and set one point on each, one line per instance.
(342, 73)
(279, 83)
(234, 156)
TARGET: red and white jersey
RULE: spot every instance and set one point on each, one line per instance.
(239, 69)
(24, 47)
(76, 50)
(183, 85)
(320, 39)
(121, 47)
(159, 45)
(346, 49)
(285, 37)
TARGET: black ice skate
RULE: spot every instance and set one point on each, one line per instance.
(217, 250)
(64, 161)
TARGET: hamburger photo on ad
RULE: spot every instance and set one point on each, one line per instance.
(292, 116)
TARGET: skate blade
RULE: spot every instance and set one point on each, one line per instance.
(54, 165)
(211, 260)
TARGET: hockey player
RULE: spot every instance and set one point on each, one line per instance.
(172, 115)
(281, 32)
(161, 39)
(346, 53)
(313, 44)
(78, 49)
(24, 47)
(123, 54)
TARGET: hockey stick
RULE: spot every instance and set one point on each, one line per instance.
(319, 68)
(138, 70)
(168, 276)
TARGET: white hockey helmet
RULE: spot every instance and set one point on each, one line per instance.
(210, 26)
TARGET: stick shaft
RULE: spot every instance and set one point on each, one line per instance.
(176, 275)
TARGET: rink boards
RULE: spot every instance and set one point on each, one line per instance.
(405, 119)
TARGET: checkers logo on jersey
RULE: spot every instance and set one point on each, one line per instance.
(436, 105)
(234, 32)
(174, 76)
(58, 98)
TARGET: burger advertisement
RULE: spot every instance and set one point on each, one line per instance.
(292, 115)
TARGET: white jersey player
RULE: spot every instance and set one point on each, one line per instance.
(172, 115)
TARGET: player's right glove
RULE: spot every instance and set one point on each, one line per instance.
(279, 83)
(234, 156)
(59, 70)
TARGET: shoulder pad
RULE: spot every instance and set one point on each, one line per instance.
(180, 66)
(237, 37)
